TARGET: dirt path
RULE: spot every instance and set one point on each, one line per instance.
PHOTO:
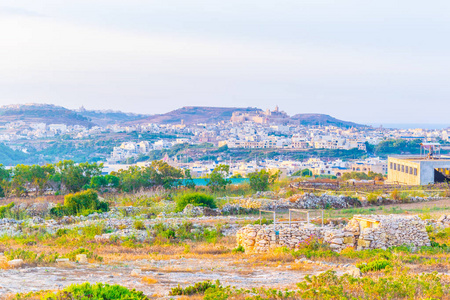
(438, 203)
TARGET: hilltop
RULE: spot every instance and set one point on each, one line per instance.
(42, 113)
(52, 114)
(321, 119)
(196, 114)
(109, 117)
(204, 114)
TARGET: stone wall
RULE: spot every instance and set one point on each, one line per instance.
(384, 231)
(362, 232)
(261, 238)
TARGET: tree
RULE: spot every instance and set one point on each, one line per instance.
(134, 178)
(40, 177)
(165, 175)
(260, 181)
(218, 177)
(20, 180)
(188, 181)
(104, 182)
(303, 173)
(362, 176)
(73, 177)
(5, 181)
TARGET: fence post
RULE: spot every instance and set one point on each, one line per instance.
(289, 218)
(274, 221)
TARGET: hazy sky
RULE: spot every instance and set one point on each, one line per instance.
(364, 61)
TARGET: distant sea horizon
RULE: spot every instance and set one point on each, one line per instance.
(410, 125)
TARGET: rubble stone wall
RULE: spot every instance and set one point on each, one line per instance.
(362, 232)
(389, 231)
(261, 238)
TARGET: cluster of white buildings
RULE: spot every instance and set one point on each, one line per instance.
(20, 130)
(315, 166)
(134, 149)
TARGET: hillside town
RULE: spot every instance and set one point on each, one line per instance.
(260, 130)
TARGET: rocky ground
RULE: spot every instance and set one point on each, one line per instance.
(167, 273)
(155, 277)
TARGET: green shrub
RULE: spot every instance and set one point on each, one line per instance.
(139, 225)
(263, 221)
(375, 265)
(328, 285)
(5, 210)
(197, 288)
(25, 255)
(86, 290)
(89, 254)
(196, 199)
(81, 203)
(239, 249)
(29, 256)
(372, 198)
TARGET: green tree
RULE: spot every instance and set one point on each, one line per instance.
(103, 182)
(362, 176)
(165, 175)
(134, 178)
(20, 180)
(5, 181)
(303, 173)
(260, 181)
(218, 177)
(188, 181)
(73, 177)
(39, 177)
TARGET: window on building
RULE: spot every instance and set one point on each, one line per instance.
(403, 168)
(410, 170)
(391, 166)
(406, 169)
(415, 171)
(395, 166)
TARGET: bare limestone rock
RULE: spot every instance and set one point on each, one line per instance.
(81, 258)
(15, 263)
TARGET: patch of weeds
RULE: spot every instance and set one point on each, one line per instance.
(139, 225)
(239, 249)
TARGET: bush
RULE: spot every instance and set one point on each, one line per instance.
(372, 198)
(29, 256)
(86, 290)
(197, 288)
(395, 194)
(328, 285)
(85, 202)
(139, 225)
(375, 265)
(196, 199)
(5, 210)
(263, 221)
(89, 254)
(239, 249)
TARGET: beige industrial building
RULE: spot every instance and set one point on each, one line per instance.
(418, 170)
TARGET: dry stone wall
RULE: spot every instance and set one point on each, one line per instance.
(261, 238)
(388, 231)
(362, 232)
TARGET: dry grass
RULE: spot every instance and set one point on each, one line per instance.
(149, 280)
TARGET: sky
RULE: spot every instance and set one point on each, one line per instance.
(364, 61)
